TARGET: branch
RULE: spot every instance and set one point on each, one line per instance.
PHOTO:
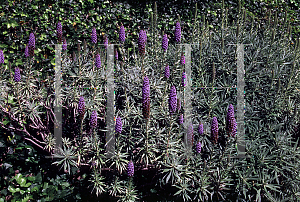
(30, 140)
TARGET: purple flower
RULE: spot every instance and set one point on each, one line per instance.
(182, 59)
(172, 100)
(116, 54)
(64, 46)
(181, 119)
(130, 169)
(200, 129)
(165, 42)
(167, 71)
(105, 42)
(230, 121)
(98, 61)
(81, 107)
(183, 79)
(31, 44)
(17, 75)
(146, 97)
(1, 57)
(177, 32)
(190, 135)
(118, 125)
(142, 42)
(26, 51)
(214, 130)
(94, 36)
(122, 34)
(198, 147)
(59, 32)
(93, 120)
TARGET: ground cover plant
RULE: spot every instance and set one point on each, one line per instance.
(150, 83)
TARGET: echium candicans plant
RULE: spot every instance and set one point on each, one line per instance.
(98, 61)
(200, 129)
(81, 107)
(59, 32)
(183, 81)
(172, 100)
(17, 75)
(142, 42)
(182, 59)
(122, 34)
(118, 126)
(26, 51)
(130, 169)
(167, 71)
(94, 35)
(93, 120)
(1, 57)
(177, 32)
(165, 42)
(230, 121)
(146, 97)
(214, 130)
(105, 41)
(31, 44)
(198, 147)
(64, 46)
(180, 119)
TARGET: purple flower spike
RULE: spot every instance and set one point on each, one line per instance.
(177, 32)
(59, 32)
(17, 75)
(200, 129)
(98, 61)
(181, 119)
(1, 57)
(172, 100)
(183, 79)
(146, 98)
(167, 71)
(214, 130)
(26, 51)
(198, 147)
(230, 121)
(165, 42)
(93, 120)
(94, 36)
(142, 42)
(81, 107)
(182, 59)
(105, 42)
(130, 169)
(118, 127)
(31, 44)
(64, 46)
(122, 34)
